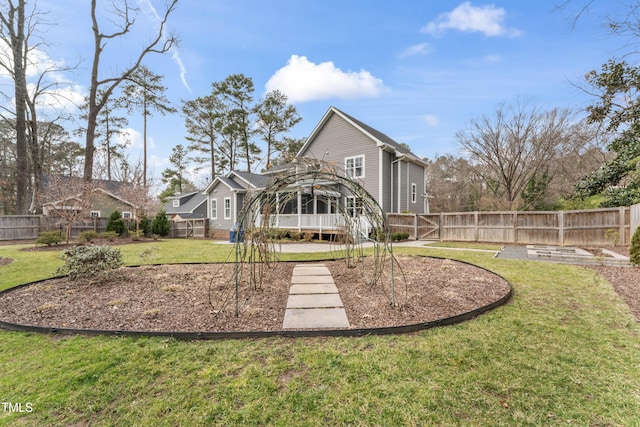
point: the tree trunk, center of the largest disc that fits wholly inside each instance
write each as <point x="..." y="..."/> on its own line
<point x="22" y="152"/>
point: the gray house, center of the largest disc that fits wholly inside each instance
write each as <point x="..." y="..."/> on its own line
<point x="225" y="196"/>
<point x="389" y="171"/>
<point x="187" y="205"/>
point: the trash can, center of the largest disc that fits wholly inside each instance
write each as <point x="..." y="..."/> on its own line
<point x="234" y="234"/>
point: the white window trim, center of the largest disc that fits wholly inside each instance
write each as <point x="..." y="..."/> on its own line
<point x="214" y="202"/>
<point x="126" y="215"/>
<point x="355" y="209"/>
<point x="176" y="203"/>
<point x="95" y="214"/>
<point x="346" y="169"/>
<point x="225" y="208"/>
<point x="414" y="192"/>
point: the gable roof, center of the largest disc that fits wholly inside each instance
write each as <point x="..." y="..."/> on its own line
<point x="253" y="179"/>
<point x="194" y="200"/>
<point x="382" y="140"/>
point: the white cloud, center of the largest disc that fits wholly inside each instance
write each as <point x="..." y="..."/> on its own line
<point x="431" y="120"/>
<point x="302" y="80"/>
<point x="418" y="49"/>
<point x="488" y="20"/>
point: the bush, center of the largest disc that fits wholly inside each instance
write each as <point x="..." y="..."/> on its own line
<point x="109" y="235"/>
<point x="400" y="235"/>
<point x="634" y="250"/>
<point x="87" y="236"/>
<point x="90" y="262"/>
<point x="116" y="223"/>
<point x="161" y="225"/>
<point x="145" y="226"/>
<point x="49" y="238"/>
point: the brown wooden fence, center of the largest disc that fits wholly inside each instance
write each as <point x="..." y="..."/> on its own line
<point x="187" y="228"/>
<point x="583" y="227"/>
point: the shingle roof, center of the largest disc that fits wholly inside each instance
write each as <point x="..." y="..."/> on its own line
<point x="187" y="206"/>
<point x="257" y="180"/>
<point x="377" y="134"/>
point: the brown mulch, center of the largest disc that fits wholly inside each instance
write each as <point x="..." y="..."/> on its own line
<point x="201" y="297"/>
<point x="5" y="261"/>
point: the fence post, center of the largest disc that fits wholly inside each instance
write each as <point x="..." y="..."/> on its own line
<point x="561" y="227"/>
<point x="440" y="224"/>
<point x="621" y="225"/>
<point x="475" y="223"/>
<point x="515" y="227"/>
<point x="415" y="226"/>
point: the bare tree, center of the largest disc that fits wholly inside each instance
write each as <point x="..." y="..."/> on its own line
<point x="68" y="198"/>
<point x="145" y="91"/>
<point x="12" y="32"/>
<point x="124" y="21"/>
<point x="515" y="145"/>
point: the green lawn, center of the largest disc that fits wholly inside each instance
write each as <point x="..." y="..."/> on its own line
<point x="564" y="351"/>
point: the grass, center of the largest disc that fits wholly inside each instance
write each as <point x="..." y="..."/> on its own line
<point x="564" y="351"/>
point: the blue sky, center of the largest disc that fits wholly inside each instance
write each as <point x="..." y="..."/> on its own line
<point x="416" y="70"/>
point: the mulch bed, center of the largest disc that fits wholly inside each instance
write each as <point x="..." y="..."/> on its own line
<point x="201" y="297"/>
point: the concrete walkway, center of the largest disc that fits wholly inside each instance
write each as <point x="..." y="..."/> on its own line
<point x="314" y="302"/>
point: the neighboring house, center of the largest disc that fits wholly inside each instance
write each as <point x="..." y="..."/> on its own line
<point x="226" y="196"/>
<point x="389" y="171"/>
<point x="107" y="197"/>
<point x="187" y="205"/>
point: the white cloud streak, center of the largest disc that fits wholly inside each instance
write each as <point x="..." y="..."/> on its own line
<point x="175" y="54"/>
<point x="488" y="20"/>
<point x="302" y="80"/>
<point x="417" y="49"/>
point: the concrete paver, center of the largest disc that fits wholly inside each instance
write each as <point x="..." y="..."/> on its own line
<point x="314" y="301"/>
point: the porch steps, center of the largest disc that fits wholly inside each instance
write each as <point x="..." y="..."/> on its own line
<point x="314" y="301"/>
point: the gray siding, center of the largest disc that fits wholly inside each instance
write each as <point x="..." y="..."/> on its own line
<point x="416" y="176"/>
<point x="222" y="192"/>
<point x="338" y="140"/>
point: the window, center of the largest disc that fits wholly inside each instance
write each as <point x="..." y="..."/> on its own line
<point x="95" y="214"/>
<point x="126" y="215"/>
<point x="176" y="203"/>
<point x="354" y="166"/>
<point x="227" y="208"/>
<point x="214" y="208"/>
<point x="414" y="191"/>
<point x="353" y="206"/>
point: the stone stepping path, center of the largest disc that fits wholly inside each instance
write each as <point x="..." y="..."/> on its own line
<point x="314" y="301"/>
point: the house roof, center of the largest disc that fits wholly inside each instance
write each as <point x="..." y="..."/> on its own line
<point x="253" y="179"/>
<point x="382" y="140"/>
<point x="194" y="200"/>
<point x="111" y="188"/>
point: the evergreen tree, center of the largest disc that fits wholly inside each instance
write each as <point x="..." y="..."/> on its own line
<point x="161" y="225"/>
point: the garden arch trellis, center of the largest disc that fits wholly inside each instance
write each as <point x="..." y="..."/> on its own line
<point x="357" y="219"/>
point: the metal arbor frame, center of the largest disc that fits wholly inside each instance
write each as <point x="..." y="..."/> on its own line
<point x="363" y="221"/>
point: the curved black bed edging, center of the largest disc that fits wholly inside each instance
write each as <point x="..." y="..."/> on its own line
<point x="268" y="334"/>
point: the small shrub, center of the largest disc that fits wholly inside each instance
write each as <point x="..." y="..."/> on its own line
<point x="161" y="225"/>
<point x="399" y="235"/>
<point x="145" y="226"/>
<point x="90" y="262"/>
<point x="110" y="236"/>
<point x="49" y="238"/>
<point x="136" y="235"/>
<point x="308" y="236"/>
<point x="116" y="223"/>
<point x="634" y="250"/>
<point x="295" y="235"/>
<point x="87" y="236"/>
